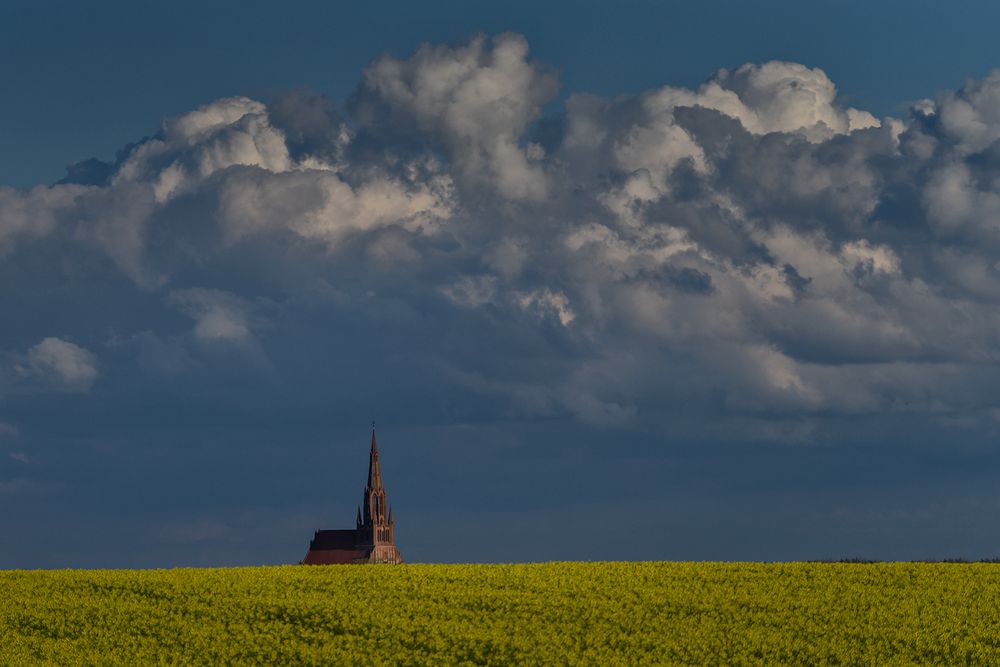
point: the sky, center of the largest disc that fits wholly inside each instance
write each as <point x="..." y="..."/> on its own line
<point x="702" y="281"/>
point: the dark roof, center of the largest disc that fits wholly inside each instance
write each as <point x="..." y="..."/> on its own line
<point x="334" y="539"/>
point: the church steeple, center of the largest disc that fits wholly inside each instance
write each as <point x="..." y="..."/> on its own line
<point x="376" y="527"/>
<point x="374" y="470"/>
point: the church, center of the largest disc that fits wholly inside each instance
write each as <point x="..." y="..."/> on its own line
<point x="372" y="540"/>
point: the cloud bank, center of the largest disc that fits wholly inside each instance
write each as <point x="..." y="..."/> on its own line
<point x="747" y="261"/>
<point x="751" y="241"/>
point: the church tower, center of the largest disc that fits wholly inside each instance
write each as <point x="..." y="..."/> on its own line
<point x="374" y="521"/>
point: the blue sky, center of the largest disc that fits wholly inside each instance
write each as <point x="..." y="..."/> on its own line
<point x="642" y="281"/>
<point x="82" y="80"/>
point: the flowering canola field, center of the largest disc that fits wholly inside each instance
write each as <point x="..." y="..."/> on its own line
<point x="551" y="613"/>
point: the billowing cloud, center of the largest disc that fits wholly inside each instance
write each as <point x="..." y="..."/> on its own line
<point x="194" y="146"/>
<point x="35" y="213"/>
<point x="476" y="99"/>
<point x="970" y="117"/>
<point x="752" y="246"/>
<point x="318" y="203"/>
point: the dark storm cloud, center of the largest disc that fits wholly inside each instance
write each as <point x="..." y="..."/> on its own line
<point x="746" y="264"/>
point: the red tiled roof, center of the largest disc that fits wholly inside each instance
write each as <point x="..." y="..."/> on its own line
<point x="334" y="547"/>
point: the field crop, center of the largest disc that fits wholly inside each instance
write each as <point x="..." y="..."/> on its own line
<point x="553" y="613"/>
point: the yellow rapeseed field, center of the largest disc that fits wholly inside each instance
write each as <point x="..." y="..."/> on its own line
<point x="552" y="613"/>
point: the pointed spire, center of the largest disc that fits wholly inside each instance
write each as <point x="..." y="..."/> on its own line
<point x="374" y="470"/>
<point x="390" y="514"/>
